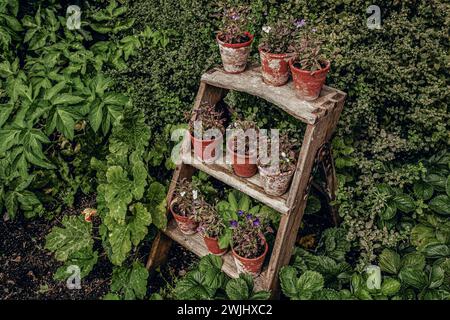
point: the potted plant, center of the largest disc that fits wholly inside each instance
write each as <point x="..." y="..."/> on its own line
<point x="183" y="207"/>
<point x="206" y="118"/>
<point x="249" y="246"/>
<point x="309" y="67"/>
<point x="277" y="172"/>
<point x="242" y="146"/>
<point x="211" y="226"/>
<point x="276" y="51"/>
<point x="234" y="40"/>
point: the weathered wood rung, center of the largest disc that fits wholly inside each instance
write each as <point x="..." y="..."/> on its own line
<point x="284" y="97"/>
<point x="195" y="244"/>
<point x="251" y="186"/>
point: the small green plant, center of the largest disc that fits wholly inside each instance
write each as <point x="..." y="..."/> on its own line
<point x="278" y="37"/>
<point x="234" y="24"/>
<point x="186" y="198"/>
<point x="211" y="223"/>
<point x="208" y="117"/>
<point x="308" y="50"/>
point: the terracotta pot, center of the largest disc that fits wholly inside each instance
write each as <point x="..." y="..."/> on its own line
<point x="185" y="224"/>
<point x="275" y="67"/>
<point x="275" y="183"/>
<point x="213" y="246"/>
<point x="243" y="165"/>
<point x="250" y="266"/>
<point x="308" y="84"/>
<point x="201" y="145"/>
<point x="235" y="55"/>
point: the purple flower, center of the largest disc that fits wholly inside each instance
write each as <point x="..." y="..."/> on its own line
<point x="249" y="217"/>
<point x="300" y="23"/>
<point x="233" y="224"/>
<point x="240" y="213"/>
<point x="256" y="223"/>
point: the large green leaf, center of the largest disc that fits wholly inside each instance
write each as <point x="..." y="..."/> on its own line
<point x="75" y="235"/>
<point x="423" y="190"/>
<point x="390" y="287"/>
<point x="404" y="202"/>
<point x="157" y="204"/>
<point x="85" y="259"/>
<point x="139" y="223"/>
<point x="130" y="283"/>
<point x="441" y="204"/>
<point x="414" y="278"/>
<point x="389" y="261"/>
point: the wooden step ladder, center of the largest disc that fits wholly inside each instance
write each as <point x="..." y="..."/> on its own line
<point x="321" y="117"/>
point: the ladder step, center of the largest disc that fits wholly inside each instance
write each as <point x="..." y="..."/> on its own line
<point x="253" y="186"/>
<point x="196" y="244"/>
<point x="284" y="97"/>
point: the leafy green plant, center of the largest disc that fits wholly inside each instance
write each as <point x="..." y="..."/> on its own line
<point x="207" y="282"/>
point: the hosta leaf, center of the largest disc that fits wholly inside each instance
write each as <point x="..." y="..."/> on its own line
<point x="74" y="236"/>
<point x="404" y="202"/>
<point x="423" y="190"/>
<point x="414" y="260"/>
<point x="437" y="181"/>
<point x="440" y="204"/>
<point x="436" y="250"/>
<point x="390" y="287"/>
<point x="414" y="278"/>
<point x="388" y="213"/>
<point x="389" y="261"/>
<point x="422" y="235"/>
<point x="437" y="277"/>
<point x="130" y="283"/>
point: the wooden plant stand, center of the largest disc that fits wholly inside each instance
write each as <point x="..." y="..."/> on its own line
<point x="321" y="117"/>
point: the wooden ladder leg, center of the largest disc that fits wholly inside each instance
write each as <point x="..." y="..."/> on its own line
<point x="314" y="138"/>
<point x="326" y="162"/>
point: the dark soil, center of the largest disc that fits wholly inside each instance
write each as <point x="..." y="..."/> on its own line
<point x="26" y="268"/>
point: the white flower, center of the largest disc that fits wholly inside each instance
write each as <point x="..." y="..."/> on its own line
<point x="283" y="154"/>
<point x="266" y="29"/>
<point x="194" y="194"/>
<point x="182" y="193"/>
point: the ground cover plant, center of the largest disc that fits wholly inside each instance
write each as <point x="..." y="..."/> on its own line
<point x="86" y="117"/>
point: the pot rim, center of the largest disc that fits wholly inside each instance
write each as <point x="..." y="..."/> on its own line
<point x="172" y="203"/>
<point x="325" y="69"/>
<point x="236" y="45"/>
<point x="281" y="174"/>
<point x="204" y="140"/>
<point x="255" y="154"/>
<point x="276" y="55"/>
<point x="252" y="259"/>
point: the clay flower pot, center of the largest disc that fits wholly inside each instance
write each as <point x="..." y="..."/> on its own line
<point x="243" y="165"/>
<point x="308" y="84"/>
<point x="250" y="266"/>
<point x="200" y="146"/>
<point x="186" y="225"/>
<point x="275" y="67"/>
<point x="213" y="246"/>
<point x="275" y="183"/>
<point x="235" y="55"/>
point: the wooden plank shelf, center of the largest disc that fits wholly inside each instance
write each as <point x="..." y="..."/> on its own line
<point x="284" y="97"/>
<point x="253" y="186"/>
<point x="196" y="244"/>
